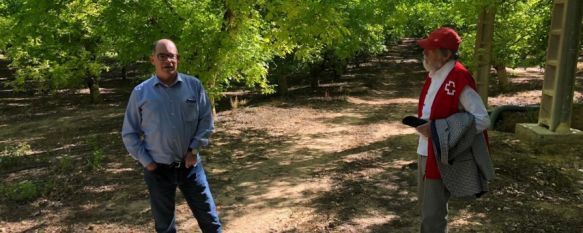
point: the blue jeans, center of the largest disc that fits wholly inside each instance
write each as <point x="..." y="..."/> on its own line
<point x="192" y="181"/>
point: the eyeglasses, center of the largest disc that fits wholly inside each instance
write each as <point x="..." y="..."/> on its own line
<point x="167" y="56"/>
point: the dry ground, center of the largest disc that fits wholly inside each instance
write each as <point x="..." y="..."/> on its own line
<point x="331" y="160"/>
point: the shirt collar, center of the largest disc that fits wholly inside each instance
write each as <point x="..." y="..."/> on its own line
<point x="158" y="82"/>
<point x="443" y="71"/>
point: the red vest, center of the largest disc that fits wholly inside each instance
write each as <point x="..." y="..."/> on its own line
<point x="446" y="103"/>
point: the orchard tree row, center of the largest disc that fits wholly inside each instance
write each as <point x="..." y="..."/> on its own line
<point x="63" y="44"/>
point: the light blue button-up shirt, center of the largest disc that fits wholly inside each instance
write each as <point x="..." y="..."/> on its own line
<point x="161" y="122"/>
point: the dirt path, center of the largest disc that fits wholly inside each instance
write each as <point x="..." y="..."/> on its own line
<point x="332" y="160"/>
<point x="312" y="164"/>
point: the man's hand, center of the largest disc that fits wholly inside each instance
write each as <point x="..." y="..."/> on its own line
<point x="424" y="130"/>
<point x="189" y="159"/>
<point x="151" y="167"/>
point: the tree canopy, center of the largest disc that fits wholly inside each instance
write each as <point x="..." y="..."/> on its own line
<point x="69" y="43"/>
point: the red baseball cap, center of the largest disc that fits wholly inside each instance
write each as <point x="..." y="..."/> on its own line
<point x="443" y="37"/>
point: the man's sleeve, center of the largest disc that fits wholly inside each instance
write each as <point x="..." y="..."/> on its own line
<point x="472" y="103"/>
<point x="205" y="125"/>
<point x="131" y="132"/>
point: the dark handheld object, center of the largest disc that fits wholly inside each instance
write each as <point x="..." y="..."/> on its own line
<point x="413" y="121"/>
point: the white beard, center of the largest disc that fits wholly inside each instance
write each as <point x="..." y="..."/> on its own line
<point x="428" y="66"/>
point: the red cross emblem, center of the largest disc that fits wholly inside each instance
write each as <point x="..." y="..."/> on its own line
<point x="450" y="88"/>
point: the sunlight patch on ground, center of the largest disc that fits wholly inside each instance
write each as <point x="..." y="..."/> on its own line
<point x="385" y="130"/>
<point x="248" y="184"/>
<point x="16" y="99"/>
<point x="101" y="189"/>
<point x="115" y="115"/>
<point x="323" y="144"/>
<point x="216" y="171"/>
<point x="107" y="227"/>
<point x="119" y="170"/>
<point x="381" y="101"/>
<point x="520" y="98"/>
<point x="388" y="186"/>
<point x="64" y="147"/>
<point x="285" y="122"/>
<point x="294" y="193"/>
<point x="374" y="219"/>
<point x="536" y="72"/>
<point x="524" y="80"/>
<point x="366" y="64"/>
<point x="18" y="104"/>
<point x="334" y="84"/>
<point x="368" y="172"/>
<point x="89" y="206"/>
<point x="335" y="138"/>
<point x="525" y="98"/>
<point x="20" y="226"/>
<point x="18" y="142"/>
<point x="408" y="61"/>
<point x="33" y="172"/>
<point x="466" y="218"/>
<point x="101" y="90"/>
<point x="272" y="219"/>
<point x="368" y="155"/>
<point x="296" y="157"/>
<point x="400" y="163"/>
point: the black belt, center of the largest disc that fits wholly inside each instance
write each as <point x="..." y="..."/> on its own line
<point x="179" y="164"/>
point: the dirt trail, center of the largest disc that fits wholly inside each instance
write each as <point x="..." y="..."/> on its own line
<point x="332" y="160"/>
<point x="323" y="163"/>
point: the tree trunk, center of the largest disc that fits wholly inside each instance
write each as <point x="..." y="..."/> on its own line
<point x="339" y="68"/>
<point x="483" y="49"/>
<point x="212" y="97"/>
<point x="124" y="72"/>
<point x="502" y="77"/>
<point x="315" y="76"/>
<point x="213" y="108"/>
<point x="282" y="85"/>
<point x="93" y="84"/>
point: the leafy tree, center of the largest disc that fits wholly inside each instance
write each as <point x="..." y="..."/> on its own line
<point x="68" y="43"/>
<point x="53" y="44"/>
<point x="520" y="34"/>
<point x="352" y="29"/>
<point x="523" y="41"/>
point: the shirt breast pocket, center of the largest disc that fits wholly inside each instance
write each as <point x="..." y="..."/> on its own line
<point x="190" y="109"/>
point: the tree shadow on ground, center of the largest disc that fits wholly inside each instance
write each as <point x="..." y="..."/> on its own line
<point x="377" y="183"/>
<point x="252" y="162"/>
<point x="373" y="185"/>
<point x="73" y="158"/>
<point x="367" y="188"/>
<point x="267" y="164"/>
<point x="536" y="183"/>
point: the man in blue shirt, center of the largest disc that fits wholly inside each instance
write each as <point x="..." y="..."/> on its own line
<point x="167" y="121"/>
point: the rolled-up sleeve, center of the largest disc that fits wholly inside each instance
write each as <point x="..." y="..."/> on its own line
<point x="205" y="126"/>
<point x="131" y="132"/>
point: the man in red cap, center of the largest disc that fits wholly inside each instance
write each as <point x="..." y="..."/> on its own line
<point x="449" y="88"/>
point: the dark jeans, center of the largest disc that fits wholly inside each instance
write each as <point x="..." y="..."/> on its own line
<point x="162" y="184"/>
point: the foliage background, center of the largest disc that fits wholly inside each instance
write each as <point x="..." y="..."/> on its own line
<point x="54" y="45"/>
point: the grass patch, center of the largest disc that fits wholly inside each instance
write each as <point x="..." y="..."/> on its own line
<point x="95" y="159"/>
<point x="22" y="191"/>
<point x="11" y="154"/>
